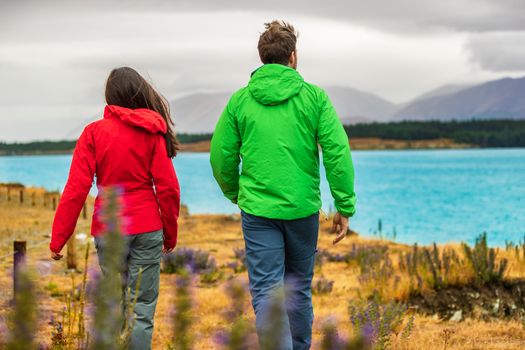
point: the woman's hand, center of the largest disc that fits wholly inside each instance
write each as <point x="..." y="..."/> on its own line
<point x="56" y="256"/>
<point x="166" y="250"/>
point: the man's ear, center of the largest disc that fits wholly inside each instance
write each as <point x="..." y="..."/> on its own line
<point x="292" y="61"/>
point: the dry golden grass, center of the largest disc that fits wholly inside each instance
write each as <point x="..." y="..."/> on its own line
<point x="367" y="143"/>
<point x="219" y="235"/>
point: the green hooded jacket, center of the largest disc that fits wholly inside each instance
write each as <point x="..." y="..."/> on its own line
<point x="274" y="125"/>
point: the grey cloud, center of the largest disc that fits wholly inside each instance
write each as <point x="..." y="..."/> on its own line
<point x="178" y="73"/>
<point x="499" y="52"/>
<point x="404" y="15"/>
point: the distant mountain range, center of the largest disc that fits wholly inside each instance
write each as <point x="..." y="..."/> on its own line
<point x="498" y="99"/>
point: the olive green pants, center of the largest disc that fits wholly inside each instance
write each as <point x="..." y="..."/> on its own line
<point x="143" y="252"/>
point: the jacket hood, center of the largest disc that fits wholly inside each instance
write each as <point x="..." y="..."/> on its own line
<point x="146" y="119"/>
<point x="273" y="84"/>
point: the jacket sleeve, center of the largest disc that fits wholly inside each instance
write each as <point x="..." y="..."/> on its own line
<point x="77" y="188"/>
<point x="336" y="157"/>
<point x="224" y="154"/>
<point x="167" y="190"/>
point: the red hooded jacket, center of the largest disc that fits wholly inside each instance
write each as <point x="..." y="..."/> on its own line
<point x="125" y="149"/>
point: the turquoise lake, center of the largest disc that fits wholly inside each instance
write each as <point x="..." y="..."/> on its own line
<point x="418" y="196"/>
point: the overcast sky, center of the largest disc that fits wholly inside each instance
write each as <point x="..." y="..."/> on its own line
<point x="55" y="55"/>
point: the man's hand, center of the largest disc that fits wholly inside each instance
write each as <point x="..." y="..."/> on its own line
<point x="56" y="256"/>
<point x="339" y="226"/>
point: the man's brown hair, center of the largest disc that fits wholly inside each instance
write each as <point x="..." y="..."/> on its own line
<point x="277" y="42"/>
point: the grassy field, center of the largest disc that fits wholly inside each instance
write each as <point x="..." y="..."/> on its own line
<point x="220" y="235"/>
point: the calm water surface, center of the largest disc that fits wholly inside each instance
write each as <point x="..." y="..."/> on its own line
<point x="418" y="196"/>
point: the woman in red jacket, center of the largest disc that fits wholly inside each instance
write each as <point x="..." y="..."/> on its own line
<point x="130" y="148"/>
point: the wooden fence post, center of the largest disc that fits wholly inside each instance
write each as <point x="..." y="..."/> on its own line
<point x="84" y="211"/>
<point x="8" y="194"/>
<point x="19" y="258"/>
<point x="33" y="199"/>
<point x="21" y="196"/>
<point x="71" y="253"/>
<point x="54" y="203"/>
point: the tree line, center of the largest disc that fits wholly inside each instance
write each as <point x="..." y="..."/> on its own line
<point x="66" y="146"/>
<point x="482" y="133"/>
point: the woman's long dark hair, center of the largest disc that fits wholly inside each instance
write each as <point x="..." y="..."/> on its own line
<point x="125" y="87"/>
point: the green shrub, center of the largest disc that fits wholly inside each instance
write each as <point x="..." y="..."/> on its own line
<point x="482" y="260"/>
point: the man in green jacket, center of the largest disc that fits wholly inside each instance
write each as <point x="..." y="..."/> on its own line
<point x="274" y="125"/>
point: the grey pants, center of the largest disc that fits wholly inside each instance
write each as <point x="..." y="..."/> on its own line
<point x="282" y="252"/>
<point x="143" y="252"/>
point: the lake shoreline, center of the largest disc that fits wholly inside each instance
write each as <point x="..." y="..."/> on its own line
<point x="357" y="144"/>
